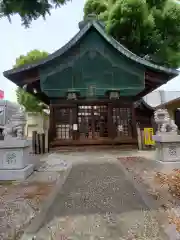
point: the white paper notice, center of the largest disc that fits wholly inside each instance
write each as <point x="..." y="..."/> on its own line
<point x="120" y="128"/>
<point x="75" y="127"/>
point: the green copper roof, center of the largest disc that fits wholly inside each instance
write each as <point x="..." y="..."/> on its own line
<point x="120" y="48"/>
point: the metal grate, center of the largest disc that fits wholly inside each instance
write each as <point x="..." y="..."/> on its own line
<point x="122" y="119"/>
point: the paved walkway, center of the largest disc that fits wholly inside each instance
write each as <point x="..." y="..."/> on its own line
<point x="97" y="201"/>
<point x="96" y="156"/>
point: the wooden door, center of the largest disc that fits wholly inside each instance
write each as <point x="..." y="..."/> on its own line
<point x="93" y="121"/>
<point x="85" y="122"/>
<point x="100" y="116"/>
<point x="122" y="121"/>
<point x="65" y="118"/>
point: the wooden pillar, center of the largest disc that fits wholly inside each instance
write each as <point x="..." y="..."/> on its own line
<point x="111" y="133"/>
<point x="52" y="124"/>
<point x="74" y="121"/>
<point x="34" y="144"/>
<point x="134" y="126"/>
<point x="139" y="137"/>
<point x="93" y="121"/>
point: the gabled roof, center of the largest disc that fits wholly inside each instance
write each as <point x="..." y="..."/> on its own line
<point x="143" y="103"/>
<point x="120" y="48"/>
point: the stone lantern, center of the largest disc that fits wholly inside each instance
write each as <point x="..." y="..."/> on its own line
<point x="167" y="139"/>
<point x="17" y="163"/>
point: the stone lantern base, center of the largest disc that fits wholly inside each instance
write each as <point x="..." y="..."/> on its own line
<point x="15" y="160"/>
<point x="167" y="147"/>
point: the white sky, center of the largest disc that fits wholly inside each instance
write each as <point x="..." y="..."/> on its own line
<point x="47" y="35"/>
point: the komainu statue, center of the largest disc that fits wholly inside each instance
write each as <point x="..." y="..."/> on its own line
<point x="15" y="126"/>
<point x="164" y="122"/>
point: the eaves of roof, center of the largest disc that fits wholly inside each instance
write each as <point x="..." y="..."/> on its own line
<point x="120" y="48"/>
<point x="143" y="102"/>
<point x="163" y="105"/>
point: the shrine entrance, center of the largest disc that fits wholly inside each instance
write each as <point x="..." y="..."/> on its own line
<point x="93" y="121"/>
<point x="122" y="120"/>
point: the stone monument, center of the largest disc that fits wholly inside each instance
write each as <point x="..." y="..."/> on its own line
<point x="167" y="139"/>
<point x="15" y="160"/>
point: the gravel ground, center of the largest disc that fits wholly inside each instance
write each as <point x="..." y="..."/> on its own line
<point x="98" y="202"/>
<point x="144" y="173"/>
<point x="21" y="201"/>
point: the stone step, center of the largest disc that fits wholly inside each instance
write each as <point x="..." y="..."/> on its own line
<point x="91" y="148"/>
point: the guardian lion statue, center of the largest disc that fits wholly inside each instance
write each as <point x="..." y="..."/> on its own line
<point x="164" y="122"/>
<point x="15" y="126"/>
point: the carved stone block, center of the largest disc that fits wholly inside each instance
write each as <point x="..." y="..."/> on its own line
<point x="167" y="147"/>
<point x="15" y="160"/>
<point x="14" y="154"/>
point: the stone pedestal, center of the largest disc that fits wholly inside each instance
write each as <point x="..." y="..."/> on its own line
<point x="15" y="160"/>
<point x="167" y="147"/>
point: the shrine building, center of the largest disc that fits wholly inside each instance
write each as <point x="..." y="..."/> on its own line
<point x="94" y="88"/>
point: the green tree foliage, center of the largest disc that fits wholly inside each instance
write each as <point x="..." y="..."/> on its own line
<point x="29" y="101"/>
<point x="148" y="28"/>
<point x="31" y="57"/>
<point x="28" y="10"/>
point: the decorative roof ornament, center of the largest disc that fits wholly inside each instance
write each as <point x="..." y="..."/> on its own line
<point x="88" y="18"/>
<point x="91" y="16"/>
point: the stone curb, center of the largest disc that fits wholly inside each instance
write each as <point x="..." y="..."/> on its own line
<point x="150" y="203"/>
<point x="40" y="218"/>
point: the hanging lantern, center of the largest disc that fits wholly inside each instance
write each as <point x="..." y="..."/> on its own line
<point x="114" y="94"/>
<point x="72" y="96"/>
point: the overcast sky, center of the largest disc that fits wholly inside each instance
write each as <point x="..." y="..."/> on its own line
<point x="47" y="35"/>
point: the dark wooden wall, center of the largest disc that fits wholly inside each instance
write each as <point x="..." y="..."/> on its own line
<point x="66" y="112"/>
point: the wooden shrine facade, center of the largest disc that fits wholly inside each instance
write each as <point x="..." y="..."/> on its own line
<point x="93" y="122"/>
<point x="91" y="86"/>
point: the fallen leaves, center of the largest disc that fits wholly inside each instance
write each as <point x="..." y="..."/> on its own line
<point x="172" y="180"/>
<point x="160" y="185"/>
<point x="41" y="189"/>
<point x="174" y="183"/>
<point x="176" y="221"/>
<point x="161" y="178"/>
<point x="131" y="159"/>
